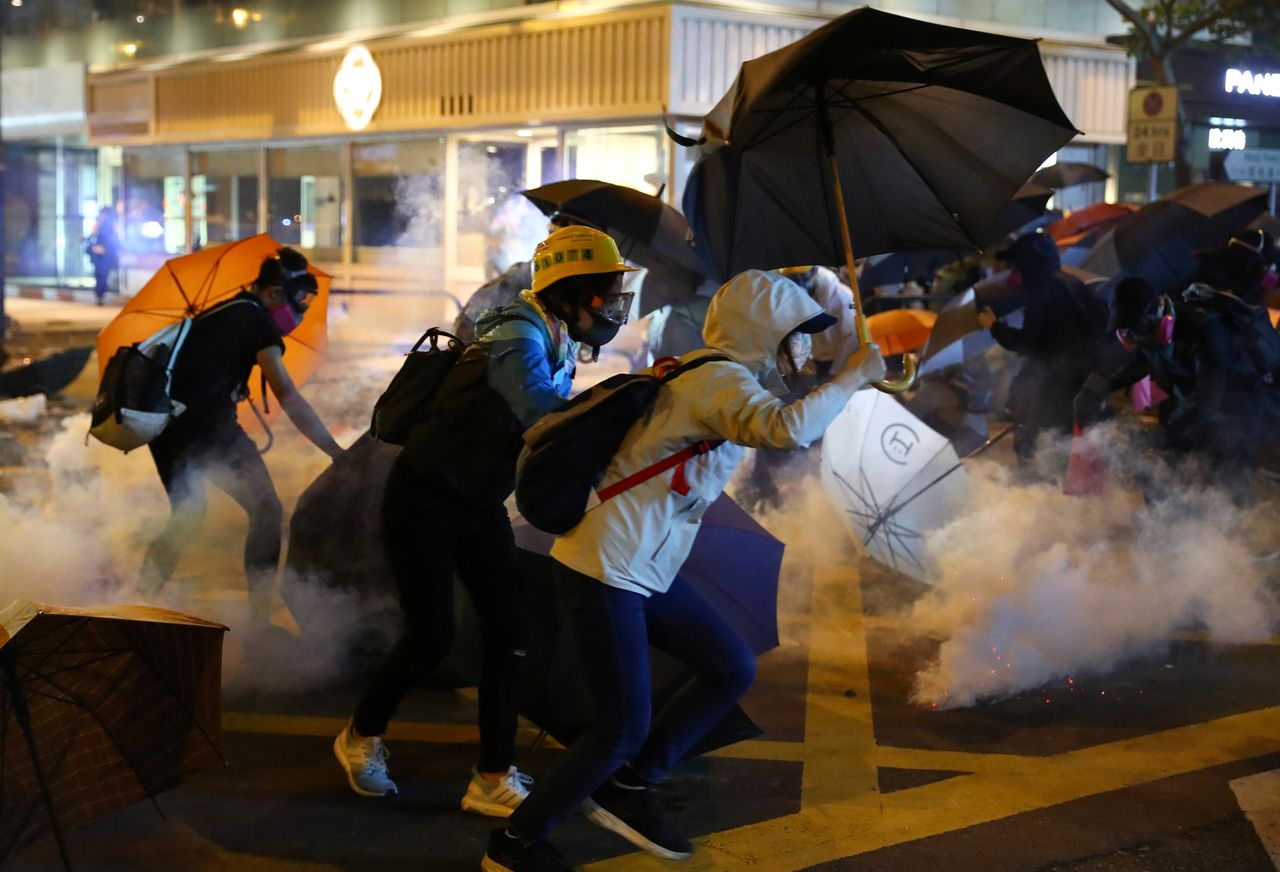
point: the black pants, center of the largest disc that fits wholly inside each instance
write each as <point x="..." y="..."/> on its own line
<point x="190" y="451"/>
<point x="429" y="537"/>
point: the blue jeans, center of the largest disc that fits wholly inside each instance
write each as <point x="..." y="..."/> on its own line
<point x="614" y="629"/>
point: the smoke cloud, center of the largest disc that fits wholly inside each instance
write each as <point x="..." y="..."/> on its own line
<point x="1034" y="586"/>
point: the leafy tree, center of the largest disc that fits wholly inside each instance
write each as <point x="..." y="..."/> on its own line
<point x="1158" y="29"/>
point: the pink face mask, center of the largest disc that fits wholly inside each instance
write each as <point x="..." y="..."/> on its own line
<point x="1270" y="280"/>
<point x="285" y="319"/>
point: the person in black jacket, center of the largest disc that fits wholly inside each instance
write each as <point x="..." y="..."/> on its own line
<point x="205" y="442"/>
<point x="1193" y="353"/>
<point x="1062" y="325"/>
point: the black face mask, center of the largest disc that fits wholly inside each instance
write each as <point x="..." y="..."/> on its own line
<point x="601" y="332"/>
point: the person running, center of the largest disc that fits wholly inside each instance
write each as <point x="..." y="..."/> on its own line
<point x="205" y="442"/>
<point x="103" y="248"/>
<point x="443" y="511"/>
<point x="616" y="574"/>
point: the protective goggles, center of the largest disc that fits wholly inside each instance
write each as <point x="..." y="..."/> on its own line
<point x="615" y="308"/>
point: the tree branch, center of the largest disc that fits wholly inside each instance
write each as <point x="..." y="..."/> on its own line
<point x="1149" y="38"/>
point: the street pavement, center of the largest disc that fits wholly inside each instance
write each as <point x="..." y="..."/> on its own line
<point x="1164" y="764"/>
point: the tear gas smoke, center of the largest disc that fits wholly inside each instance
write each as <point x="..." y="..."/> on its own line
<point x="1033" y="586"/>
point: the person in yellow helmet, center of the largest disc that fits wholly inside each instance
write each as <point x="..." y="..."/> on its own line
<point x="443" y="509"/>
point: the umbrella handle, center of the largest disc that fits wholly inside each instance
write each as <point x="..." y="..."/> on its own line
<point x="909" y="361"/>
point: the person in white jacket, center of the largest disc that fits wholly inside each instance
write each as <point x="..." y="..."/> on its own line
<point x="616" y="573"/>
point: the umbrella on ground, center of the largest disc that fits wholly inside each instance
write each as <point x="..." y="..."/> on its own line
<point x="916" y="134"/>
<point x="893" y="479"/>
<point x="188" y="285"/>
<point x="46" y="375"/>
<point x="901" y="330"/>
<point x="100" y="708"/>
<point x="1157" y="241"/>
<point x="1066" y="174"/>
<point x="335" y="543"/>
<point x="647" y="230"/>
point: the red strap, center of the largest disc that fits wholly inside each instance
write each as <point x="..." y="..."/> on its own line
<point x="678" y="482"/>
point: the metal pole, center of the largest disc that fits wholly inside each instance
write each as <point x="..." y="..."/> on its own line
<point x="1152" y="186"/>
<point x="1271" y="202"/>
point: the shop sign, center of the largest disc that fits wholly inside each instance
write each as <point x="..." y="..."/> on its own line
<point x="1254" y="165"/>
<point x="357" y="88"/>
<point x="1153" y="124"/>
<point x="1248" y="82"/>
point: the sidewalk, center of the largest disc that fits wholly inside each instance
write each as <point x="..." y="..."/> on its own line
<point x="56" y="294"/>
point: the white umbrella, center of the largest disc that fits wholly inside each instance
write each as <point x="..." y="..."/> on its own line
<point x="893" y="479"/>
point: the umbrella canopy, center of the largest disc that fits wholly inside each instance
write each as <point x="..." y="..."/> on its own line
<point x="904" y="266"/>
<point x="933" y="130"/>
<point x="188" y="285"/>
<point x="901" y="330"/>
<point x="1027" y="206"/>
<point x="1157" y="241"/>
<point x="1090" y="219"/>
<point x="892" y="478"/>
<point x="100" y="708"/>
<point x="647" y="230"/>
<point x="1064" y="175"/>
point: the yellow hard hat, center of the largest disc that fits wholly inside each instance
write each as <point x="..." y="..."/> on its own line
<point x="575" y="251"/>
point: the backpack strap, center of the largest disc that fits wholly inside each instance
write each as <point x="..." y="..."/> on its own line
<point x="679" y="483"/>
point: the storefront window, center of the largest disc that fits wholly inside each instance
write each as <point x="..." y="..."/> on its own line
<point x="50" y="203"/>
<point x="399" y="190"/>
<point x="304" y="200"/>
<point x="491" y="212"/>
<point x="631" y="156"/>
<point x="155" y="190"/>
<point x="224" y="195"/>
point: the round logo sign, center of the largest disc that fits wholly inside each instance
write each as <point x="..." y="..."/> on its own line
<point x="357" y="88"/>
<point x="1152" y="104"/>
<point x="897" y="442"/>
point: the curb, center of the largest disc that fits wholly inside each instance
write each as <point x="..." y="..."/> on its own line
<point x="60" y="295"/>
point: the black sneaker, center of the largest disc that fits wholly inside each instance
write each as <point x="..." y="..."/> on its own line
<point x="634" y="814"/>
<point x="509" y="854"/>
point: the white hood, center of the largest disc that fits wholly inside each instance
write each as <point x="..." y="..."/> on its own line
<point x="750" y="316"/>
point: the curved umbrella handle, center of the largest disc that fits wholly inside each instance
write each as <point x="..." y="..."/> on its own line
<point x="898" y="385"/>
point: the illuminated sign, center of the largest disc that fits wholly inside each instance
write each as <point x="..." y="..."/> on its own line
<point x="1226" y="138"/>
<point x="1247" y="82"/>
<point x="357" y="88"/>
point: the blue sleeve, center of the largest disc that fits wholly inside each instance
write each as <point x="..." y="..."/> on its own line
<point x="520" y="372"/>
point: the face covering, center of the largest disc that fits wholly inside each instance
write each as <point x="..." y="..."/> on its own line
<point x="795" y="361"/>
<point x="285" y="317"/>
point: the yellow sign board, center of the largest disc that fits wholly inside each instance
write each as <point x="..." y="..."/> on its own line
<point x="1153" y="124"/>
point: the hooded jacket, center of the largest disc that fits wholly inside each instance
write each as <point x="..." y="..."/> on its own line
<point x="638" y="540"/>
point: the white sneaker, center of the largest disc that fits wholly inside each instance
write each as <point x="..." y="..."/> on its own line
<point x="496" y="798"/>
<point x="365" y="761"/>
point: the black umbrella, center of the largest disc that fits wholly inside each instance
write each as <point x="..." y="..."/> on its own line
<point x="335" y="545"/>
<point x="1064" y="175"/>
<point x="1157" y="241"/>
<point x="916" y="134"/>
<point x="647" y="230"/>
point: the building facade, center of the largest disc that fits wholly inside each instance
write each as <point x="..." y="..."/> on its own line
<point x="393" y="156"/>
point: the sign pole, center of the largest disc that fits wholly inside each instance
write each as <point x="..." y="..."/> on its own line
<point x="1271" y="203"/>
<point x="1153" y="186"/>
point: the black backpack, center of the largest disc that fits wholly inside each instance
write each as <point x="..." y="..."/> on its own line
<point x="408" y="398"/>
<point x="1250" y="324"/>
<point x="566" y="453"/>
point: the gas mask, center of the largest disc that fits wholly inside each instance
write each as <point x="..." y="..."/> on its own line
<point x="795" y="362"/>
<point x="607" y="317"/>
<point x="288" y="315"/>
<point x="1154" y="329"/>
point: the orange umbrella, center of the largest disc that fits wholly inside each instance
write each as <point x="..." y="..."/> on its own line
<point x="1090" y="219"/>
<point x="1275" y="317"/>
<point x="901" y="330"/>
<point x="188" y="285"/>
